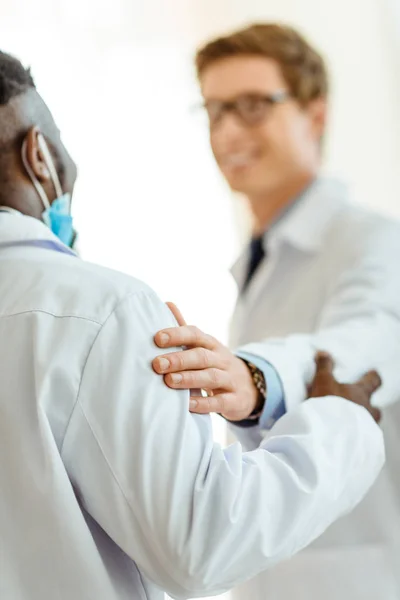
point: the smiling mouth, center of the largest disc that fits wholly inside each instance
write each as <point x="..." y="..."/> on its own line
<point x="239" y="160"/>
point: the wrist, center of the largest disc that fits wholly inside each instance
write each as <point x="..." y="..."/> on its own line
<point x="257" y="395"/>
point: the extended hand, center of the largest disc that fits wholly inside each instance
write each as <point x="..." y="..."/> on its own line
<point x="325" y="384"/>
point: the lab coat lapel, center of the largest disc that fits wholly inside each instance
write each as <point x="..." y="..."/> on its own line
<point x="302" y="228"/>
<point x="248" y="298"/>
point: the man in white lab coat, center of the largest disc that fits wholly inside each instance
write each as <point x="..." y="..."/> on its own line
<point x="320" y="272"/>
<point x="109" y="488"/>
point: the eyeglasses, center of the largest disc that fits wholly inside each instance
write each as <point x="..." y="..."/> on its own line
<point x="251" y="109"/>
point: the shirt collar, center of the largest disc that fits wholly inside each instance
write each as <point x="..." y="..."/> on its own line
<point x="304" y="223"/>
<point x="18" y="230"/>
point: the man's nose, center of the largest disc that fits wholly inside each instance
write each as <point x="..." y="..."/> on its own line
<point x="229" y="127"/>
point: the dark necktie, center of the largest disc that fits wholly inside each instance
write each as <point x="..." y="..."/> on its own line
<point x="257" y="254"/>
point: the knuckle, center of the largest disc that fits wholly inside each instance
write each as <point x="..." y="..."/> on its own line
<point x="213" y="341"/>
<point x="226" y="405"/>
<point x="196" y="333"/>
<point x="226" y="362"/>
<point x="178" y="361"/>
<point x="188" y="379"/>
<point x="214" y="375"/>
<point x="204" y="357"/>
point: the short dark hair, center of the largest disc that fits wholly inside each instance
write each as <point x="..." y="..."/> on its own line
<point x="302" y="66"/>
<point x="15" y="79"/>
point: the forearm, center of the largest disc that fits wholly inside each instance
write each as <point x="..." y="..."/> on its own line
<point x="370" y="341"/>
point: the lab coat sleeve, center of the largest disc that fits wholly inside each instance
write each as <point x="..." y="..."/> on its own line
<point x="248" y="432"/>
<point x="195" y="518"/>
<point x="359" y="326"/>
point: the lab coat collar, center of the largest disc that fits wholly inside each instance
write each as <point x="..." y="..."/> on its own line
<point x="304" y="224"/>
<point x="16" y="228"/>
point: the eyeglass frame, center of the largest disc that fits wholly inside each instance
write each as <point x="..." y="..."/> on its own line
<point x="270" y="100"/>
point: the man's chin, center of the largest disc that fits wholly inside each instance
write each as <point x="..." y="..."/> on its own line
<point x="243" y="186"/>
<point x="245" y="181"/>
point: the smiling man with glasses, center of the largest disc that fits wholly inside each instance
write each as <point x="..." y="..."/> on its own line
<point x="266" y="114"/>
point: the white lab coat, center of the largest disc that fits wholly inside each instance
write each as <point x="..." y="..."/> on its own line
<point x="331" y="281"/>
<point x="109" y="488"/>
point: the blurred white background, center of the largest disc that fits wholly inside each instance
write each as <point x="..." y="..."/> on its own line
<point x="118" y="75"/>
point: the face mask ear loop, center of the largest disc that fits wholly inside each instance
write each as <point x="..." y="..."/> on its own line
<point x="38" y="186"/>
<point x="50" y="165"/>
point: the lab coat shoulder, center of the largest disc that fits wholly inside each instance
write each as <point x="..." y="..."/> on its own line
<point x="64" y="286"/>
<point x="100" y="289"/>
<point x="362" y="248"/>
<point x="58" y="305"/>
<point x="361" y="236"/>
<point x="195" y="518"/>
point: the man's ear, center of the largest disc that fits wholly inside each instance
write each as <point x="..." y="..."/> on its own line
<point x="318" y="110"/>
<point x="34" y="155"/>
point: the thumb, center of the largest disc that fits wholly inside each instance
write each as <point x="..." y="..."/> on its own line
<point x="370" y="382"/>
<point x="376" y="414"/>
<point x="324" y="363"/>
<point x="177" y="313"/>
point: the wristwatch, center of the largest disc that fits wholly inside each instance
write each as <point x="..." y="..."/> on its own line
<point x="261" y="386"/>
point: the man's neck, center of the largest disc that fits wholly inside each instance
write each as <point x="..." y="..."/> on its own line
<point x="266" y="208"/>
<point x="24" y="199"/>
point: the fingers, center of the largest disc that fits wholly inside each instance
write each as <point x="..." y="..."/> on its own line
<point x="370" y="382"/>
<point x="209" y="379"/>
<point x="186" y="335"/>
<point x="324" y="363"/>
<point x="185" y="360"/>
<point x="223" y="404"/>
<point x="211" y="404"/>
<point x="177" y="313"/>
<point x="324" y="383"/>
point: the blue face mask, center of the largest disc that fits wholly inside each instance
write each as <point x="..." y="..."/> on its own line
<point x="58" y="218"/>
<point x="57" y="215"/>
